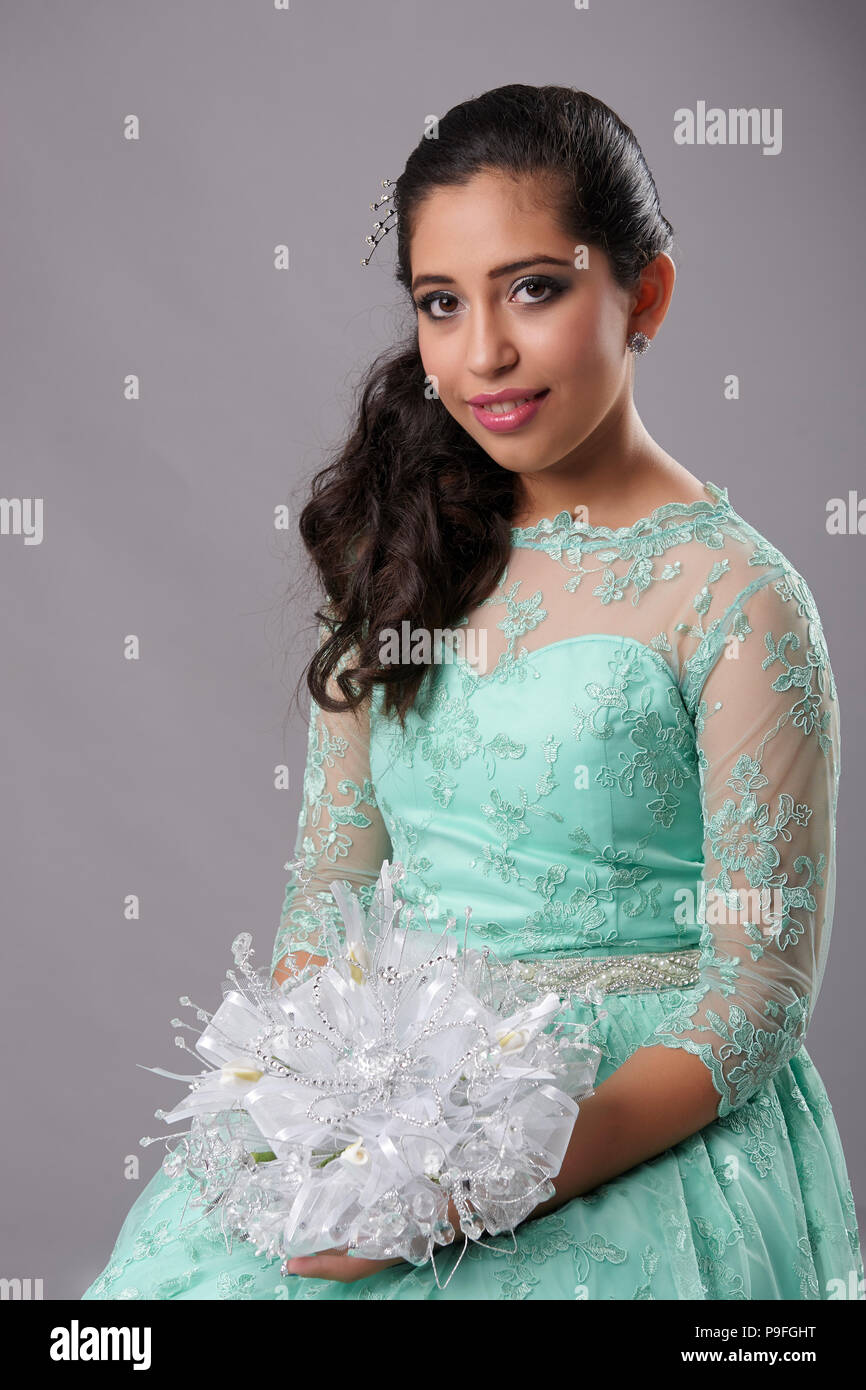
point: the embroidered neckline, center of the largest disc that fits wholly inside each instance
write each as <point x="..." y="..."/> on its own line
<point x="564" y="525"/>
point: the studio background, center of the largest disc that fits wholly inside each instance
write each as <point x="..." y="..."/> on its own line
<point x="155" y="257"/>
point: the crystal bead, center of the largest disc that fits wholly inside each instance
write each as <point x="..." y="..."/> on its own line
<point x="475" y="1154"/>
<point x="394" y="1223"/>
<point x="472" y="1225"/>
<point x="423" y="1205"/>
<point x="609" y="974"/>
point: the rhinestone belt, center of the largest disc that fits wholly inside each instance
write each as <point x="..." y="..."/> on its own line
<point x="610" y="974"/>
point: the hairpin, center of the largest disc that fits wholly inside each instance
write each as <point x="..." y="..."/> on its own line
<point x="380" y="227"/>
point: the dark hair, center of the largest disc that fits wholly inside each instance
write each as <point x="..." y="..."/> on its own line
<point x="411" y="520"/>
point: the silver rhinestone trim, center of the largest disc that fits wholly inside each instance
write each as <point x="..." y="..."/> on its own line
<point x="610" y="974"/>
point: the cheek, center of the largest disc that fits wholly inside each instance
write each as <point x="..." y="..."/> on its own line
<point x="586" y="345"/>
<point x="441" y="360"/>
<point x="431" y="355"/>
<point x="564" y="344"/>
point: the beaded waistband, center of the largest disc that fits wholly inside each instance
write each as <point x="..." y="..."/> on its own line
<point x="610" y="974"/>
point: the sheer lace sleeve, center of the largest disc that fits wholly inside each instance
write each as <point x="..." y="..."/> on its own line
<point x="341" y="833"/>
<point x="767" y="725"/>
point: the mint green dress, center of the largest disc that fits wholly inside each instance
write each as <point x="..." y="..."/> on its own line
<point x="630" y="746"/>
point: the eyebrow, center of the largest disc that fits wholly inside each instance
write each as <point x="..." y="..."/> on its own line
<point x="492" y="274"/>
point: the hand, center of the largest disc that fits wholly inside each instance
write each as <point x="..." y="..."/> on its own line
<point x="339" y="1265"/>
<point x="347" y="1269"/>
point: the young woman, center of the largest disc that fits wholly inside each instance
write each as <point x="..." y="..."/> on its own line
<point x="628" y="770"/>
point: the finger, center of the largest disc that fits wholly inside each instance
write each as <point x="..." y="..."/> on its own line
<point x="329" y="1264"/>
<point x="337" y="1265"/>
<point x="299" y="1259"/>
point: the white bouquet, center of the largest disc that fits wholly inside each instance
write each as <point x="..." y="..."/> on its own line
<point x="344" y="1107"/>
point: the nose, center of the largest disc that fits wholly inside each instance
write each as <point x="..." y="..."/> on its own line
<point x="490" y="348"/>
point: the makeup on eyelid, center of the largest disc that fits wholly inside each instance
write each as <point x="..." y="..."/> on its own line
<point x="555" y="287"/>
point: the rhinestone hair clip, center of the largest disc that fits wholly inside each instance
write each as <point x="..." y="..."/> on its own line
<point x="380" y="227"/>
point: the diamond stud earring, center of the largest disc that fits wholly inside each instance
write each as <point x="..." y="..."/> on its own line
<point x="638" y="342"/>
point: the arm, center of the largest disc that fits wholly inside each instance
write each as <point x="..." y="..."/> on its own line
<point x="341" y="833"/>
<point x="768" y="747"/>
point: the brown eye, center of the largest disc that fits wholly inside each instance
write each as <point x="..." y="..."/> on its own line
<point x="427" y="302"/>
<point x="539" y="288"/>
<point x="453" y="299"/>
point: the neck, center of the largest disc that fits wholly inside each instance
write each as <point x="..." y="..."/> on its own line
<point x="617" y="474"/>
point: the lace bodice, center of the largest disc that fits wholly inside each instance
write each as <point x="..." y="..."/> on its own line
<point x="635" y="748"/>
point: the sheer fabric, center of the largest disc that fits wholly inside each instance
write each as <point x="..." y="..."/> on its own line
<point x="647" y="741"/>
<point x="738" y="724"/>
<point x="340" y="832"/>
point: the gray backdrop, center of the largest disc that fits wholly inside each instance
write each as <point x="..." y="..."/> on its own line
<point x="155" y="257"/>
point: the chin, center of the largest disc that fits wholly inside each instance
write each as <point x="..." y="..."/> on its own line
<point x="520" y="463"/>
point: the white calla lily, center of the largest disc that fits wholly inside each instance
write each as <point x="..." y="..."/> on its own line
<point x="513" y="1039"/>
<point x="360" y="958"/>
<point x="241" y="1073"/>
<point x="355" y="1153"/>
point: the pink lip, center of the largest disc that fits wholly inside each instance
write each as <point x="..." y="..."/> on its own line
<point x="512" y="419"/>
<point x="508" y="393"/>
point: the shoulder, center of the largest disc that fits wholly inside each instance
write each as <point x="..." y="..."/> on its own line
<point x="756" y="597"/>
<point x="789" y="594"/>
<point x="757" y="573"/>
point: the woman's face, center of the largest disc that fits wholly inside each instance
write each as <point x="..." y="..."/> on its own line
<point x="502" y="308"/>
